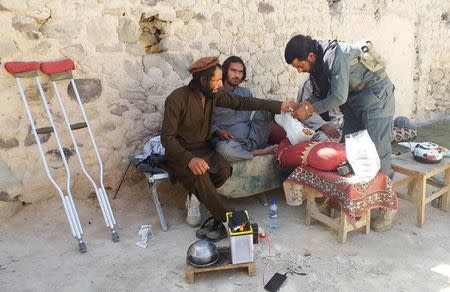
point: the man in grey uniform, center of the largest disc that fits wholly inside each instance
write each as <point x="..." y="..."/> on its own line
<point x="239" y="135"/>
<point x="342" y="77"/>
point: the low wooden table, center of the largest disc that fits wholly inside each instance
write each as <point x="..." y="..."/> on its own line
<point x="418" y="176"/>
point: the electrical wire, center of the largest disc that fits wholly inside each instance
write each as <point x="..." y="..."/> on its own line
<point x="271" y="260"/>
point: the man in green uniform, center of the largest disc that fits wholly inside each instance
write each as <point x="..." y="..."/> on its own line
<point x="341" y="75"/>
<point x="185" y="134"/>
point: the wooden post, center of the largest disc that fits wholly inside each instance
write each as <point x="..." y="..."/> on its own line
<point x="342" y="232"/>
<point x="251" y="269"/>
<point x="309" y="202"/>
<point x="446" y="197"/>
<point x="189" y="277"/>
<point x="367" y="219"/>
<point x="421" y="192"/>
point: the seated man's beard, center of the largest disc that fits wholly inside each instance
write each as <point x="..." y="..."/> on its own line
<point x="207" y="91"/>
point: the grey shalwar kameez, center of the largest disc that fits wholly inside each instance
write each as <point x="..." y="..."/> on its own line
<point x="365" y="98"/>
<point x="250" y="132"/>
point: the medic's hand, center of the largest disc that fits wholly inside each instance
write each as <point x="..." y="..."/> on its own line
<point x="198" y="166"/>
<point x="330" y="130"/>
<point x="288" y="106"/>
<point x="224" y="134"/>
<point x="303" y="111"/>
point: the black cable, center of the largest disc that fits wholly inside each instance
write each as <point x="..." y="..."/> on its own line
<point x="292" y="272"/>
<point x="121" y="181"/>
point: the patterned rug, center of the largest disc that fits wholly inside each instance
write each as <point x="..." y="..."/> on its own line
<point x="354" y="199"/>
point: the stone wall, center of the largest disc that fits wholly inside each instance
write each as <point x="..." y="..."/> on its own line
<point x="131" y="54"/>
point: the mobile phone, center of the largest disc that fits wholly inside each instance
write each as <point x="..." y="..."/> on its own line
<point x="344" y="169"/>
<point x="275" y="282"/>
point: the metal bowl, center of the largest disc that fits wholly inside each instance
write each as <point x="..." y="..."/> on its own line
<point x="202" y="253"/>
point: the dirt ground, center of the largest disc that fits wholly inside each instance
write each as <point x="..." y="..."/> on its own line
<point x="37" y="252"/>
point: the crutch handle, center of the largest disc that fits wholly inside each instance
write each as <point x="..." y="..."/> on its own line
<point x="50" y="68"/>
<point x="21" y="67"/>
<point x="78" y="126"/>
<point x="47" y="130"/>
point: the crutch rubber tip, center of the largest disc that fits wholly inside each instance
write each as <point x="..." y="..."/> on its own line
<point x="82" y="247"/>
<point x="115" y="237"/>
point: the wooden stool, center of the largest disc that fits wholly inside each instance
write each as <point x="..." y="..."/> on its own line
<point x="418" y="175"/>
<point x="339" y="223"/>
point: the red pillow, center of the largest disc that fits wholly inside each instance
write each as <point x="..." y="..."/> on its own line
<point x="276" y="133"/>
<point x="289" y="155"/>
<point x="326" y="155"/>
<point x="322" y="155"/>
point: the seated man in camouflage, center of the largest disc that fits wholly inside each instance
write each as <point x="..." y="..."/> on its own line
<point x="239" y="135"/>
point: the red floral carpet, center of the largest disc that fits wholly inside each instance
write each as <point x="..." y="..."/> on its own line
<point x="353" y="198"/>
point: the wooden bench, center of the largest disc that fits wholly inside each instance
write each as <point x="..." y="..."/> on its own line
<point x="417" y="176"/>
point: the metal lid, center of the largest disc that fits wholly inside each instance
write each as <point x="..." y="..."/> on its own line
<point x="202" y="253"/>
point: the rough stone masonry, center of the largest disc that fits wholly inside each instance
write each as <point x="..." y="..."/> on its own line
<point x="130" y="54"/>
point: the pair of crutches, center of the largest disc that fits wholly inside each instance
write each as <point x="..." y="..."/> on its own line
<point x="58" y="71"/>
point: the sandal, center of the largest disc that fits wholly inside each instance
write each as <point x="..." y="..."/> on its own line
<point x="205" y="228"/>
<point x="217" y="234"/>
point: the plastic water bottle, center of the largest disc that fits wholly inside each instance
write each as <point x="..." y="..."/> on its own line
<point x="273" y="214"/>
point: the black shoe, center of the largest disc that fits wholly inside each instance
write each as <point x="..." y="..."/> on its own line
<point x="205" y="228"/>
<point x="217" y="233"/>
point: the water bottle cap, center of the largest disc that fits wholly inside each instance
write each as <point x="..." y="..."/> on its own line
<point x="274" y="201"/>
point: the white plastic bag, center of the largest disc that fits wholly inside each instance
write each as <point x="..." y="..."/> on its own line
<point x="145" y="235"/>
<point x="295" y="130"/>
<point x="362" y="156"/>
<point x="153" y="146"/>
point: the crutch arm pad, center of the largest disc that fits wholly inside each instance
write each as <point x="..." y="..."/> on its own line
<point x="51" y="68"/>
<point x="21" y="67"/>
